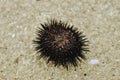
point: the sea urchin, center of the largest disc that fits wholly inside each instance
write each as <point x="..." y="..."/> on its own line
<point x="60" y="43"/>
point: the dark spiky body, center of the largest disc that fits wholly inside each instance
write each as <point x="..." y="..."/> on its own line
<point x="60" y="43"/>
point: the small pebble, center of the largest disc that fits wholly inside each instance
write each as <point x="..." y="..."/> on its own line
<point x="94" y="61"/>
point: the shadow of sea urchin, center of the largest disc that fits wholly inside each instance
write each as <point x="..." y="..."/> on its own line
<point x="60" y="43"/>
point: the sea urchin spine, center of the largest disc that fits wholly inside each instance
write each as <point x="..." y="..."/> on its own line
<point x="60" y="43"/>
